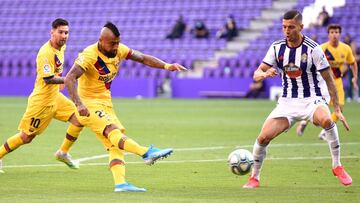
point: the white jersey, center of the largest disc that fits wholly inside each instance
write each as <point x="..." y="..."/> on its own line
<point x="299" y="68"/>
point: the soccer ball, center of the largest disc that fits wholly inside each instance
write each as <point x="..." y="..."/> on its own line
<point x="240" y="161"/>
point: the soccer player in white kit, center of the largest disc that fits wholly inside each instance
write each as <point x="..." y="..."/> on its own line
<point x="306" y="79"/>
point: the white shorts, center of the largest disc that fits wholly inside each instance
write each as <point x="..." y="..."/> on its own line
<point x="297" y="109"/>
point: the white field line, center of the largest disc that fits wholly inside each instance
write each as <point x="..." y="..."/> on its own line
<point x="201" y="160"/>
<point x="180" y="161"/>
<point x="226" y="147"/>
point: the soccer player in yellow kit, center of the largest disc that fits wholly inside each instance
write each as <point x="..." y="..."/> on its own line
<point x="45" y="101"/>
<point x="339" y="56"/>
<point x="95" y="68"/>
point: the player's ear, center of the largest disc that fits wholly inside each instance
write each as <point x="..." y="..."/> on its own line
<point x="301" y="26"/>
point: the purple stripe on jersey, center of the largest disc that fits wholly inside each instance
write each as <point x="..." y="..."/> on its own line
<point x="294" y="88"/>
<point x="280" y="63"/>
<point x="101" y="67"/>
<point x="303" y="66"/>
<point x="316" y="82"/>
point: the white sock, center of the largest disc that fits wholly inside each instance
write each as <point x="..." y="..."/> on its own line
<point x="259" y="154"/>
<point x="332" y="137"/>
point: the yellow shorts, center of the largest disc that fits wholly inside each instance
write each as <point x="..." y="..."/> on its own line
<point x="100" y="117"/>
<point x="340" y="90"/>
<point x="36" y="118"/>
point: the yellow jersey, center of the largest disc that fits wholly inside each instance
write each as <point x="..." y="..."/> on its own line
<point x="49" y="63"/>
<point x="337" y="57"/>
<point x="94" y="85"/>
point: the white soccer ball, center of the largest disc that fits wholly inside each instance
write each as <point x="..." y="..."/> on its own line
<point x="240" y="161"/>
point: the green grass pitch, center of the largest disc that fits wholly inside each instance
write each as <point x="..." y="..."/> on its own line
<point x="203" y="133"/>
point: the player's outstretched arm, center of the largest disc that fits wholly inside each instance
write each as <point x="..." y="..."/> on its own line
<point x="71" y="82"/>
<point x="264" y="71"/>
<point x="155" y="62"/>
<point x="326" y="74"/>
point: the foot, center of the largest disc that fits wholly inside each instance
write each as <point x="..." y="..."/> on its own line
<point x="252" y="183"/>
<point x="342" y="175"/>
<point x="322" y="135"/>
<point x="127" y="187"/>
<point x="154" y="154"/>
<point x="66" y="158"/>
<point x="1" y="171"/>
<point x="301" y="128"/>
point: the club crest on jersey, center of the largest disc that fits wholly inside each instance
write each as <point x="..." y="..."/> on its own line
<point x="304" y="58"/>
<point x="292" y="70"/>
<point x="101" y="67"/>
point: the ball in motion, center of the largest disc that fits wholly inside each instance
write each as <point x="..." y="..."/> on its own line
<point x="240" y="161"/>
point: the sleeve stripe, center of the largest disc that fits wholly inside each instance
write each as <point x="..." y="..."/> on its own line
<point x="131" y="52"/>
<point x="49" y="77"/>
<point x="267" y="64"/>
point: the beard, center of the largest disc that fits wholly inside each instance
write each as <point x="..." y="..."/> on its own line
<point x="110" y="54"/>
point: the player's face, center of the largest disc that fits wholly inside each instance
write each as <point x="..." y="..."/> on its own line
<point x="292" y="30"/>
<point x="60" y="35"/>
<point x="334" y="35"/>
<point x="110" y="46"/>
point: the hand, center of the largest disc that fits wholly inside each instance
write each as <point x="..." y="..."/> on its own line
<point x="83" y="111"/>
<point x="176" y="67"/>
<point x="342" y="118"/>
<point x="62" y="86"/>
<point x="354" y="83"/>
<point x="271" y="72"/>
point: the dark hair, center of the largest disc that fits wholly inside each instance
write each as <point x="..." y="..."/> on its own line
<point x="293" y="14"/>
<point x="334" y="27"/>
<point x="59" y="22"/>
<point x="113" y="28"/>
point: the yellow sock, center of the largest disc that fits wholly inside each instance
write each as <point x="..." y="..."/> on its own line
<point x="117" y="165"/>
<point x="72" y="133"/>
<point x="125" y="143"/>
<point x="11" y="144"/>
<point x="334" y="117"/>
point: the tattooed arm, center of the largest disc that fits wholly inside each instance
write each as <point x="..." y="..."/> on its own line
<point x="155" y="62"/>
<point x="54" y="80"/>
<point x="71" y="84"/>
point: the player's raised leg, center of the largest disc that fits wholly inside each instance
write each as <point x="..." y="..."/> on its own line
<point x="322" y="118"/>
<point x="271" y="128"/>
<point x="149" y="154"/>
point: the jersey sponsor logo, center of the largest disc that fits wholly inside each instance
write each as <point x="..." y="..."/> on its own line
<point x="304" y="58"/>
<point x="292" y="70"/>
<point x="47" y="68"/>
<point x="101" y="67"/>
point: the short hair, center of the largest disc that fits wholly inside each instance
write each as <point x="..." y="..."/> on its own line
<point x="59" y="22"/>
<point x="113" y="28"/>
<point x="293" y="14"/>
<point x="334" y="27"/>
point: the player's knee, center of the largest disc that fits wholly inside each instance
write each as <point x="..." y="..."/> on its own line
<point x="108" y="129"/>
<point x="73" y="120"/>
<point x="326" y="123"/>
<point x="26" y="138"/>
<point x="263" y="140"/>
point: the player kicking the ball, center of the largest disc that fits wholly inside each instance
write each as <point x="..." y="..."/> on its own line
<point x="95" y="68"/>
